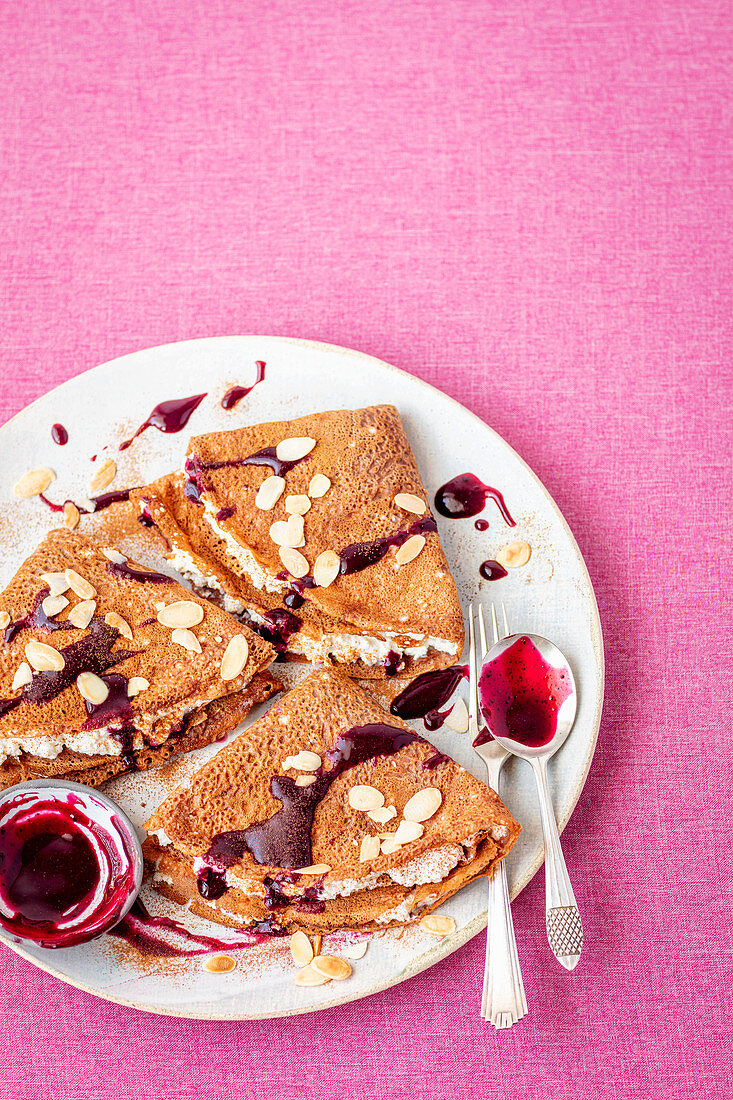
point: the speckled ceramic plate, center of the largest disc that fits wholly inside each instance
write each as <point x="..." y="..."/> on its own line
<point x="551" y="595"/>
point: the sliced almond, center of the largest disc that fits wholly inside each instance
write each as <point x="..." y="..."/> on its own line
<point x="309" y="976"/>
<point x="317" y="941"/>
<point x="85" y="504"/>
<point x="104" y="476"/>
<point x="362" y="797"/>
<point x="407" y="831"/>
<point x="44" y="658"/>
<point x="315" y="869"/>
<point x="326" y="568"/>
<point x="292" y="450"/>
<point x="369" y="849"/>
<point x="294" y="562"/>
<point x="410" y="503"/>
<point x="187" y="639"/>
<point x="288" y="533"/>
<point x="34" y="482"/>
<point x="305" y="761"/>
<point x="92" y="688"/>
<point x="457" y="720"/>
<point x="135" y="685"/>
<point x="182" y="613"/>
<point x="301" y="949"/>
<point x="514" y="554"/>
<point x="423" y="804"/>
<point x="82" y="614"/>
<point x="355" y="950"/>
<point x="269" y="493"/>
<point x="114" y="555"/>
<point x="336" y="969"/>
<point x="113" y="619"/>
<point x="79" y="586"/>
<point x="319" y="485"/>
<point x="23" y="676"/>
<point x="382" y="814"/>
<point x="71" y="515"/>
<point x="410" y="549"/>
<point x="52" y="605"/>
<point x="57" y="583"/>
<point x="297" y="504"/>
<point x="4" y="620"/>
<point x="304" y="780"/>
<point x="219" y="964"/>
<point x="436" y="925"/>
<point x="235" y="657"/>
<point x="390" y="846"/>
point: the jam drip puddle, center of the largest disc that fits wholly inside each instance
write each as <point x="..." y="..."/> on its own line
<point x="36" y="619"/>
<point x="491" y="570"/>
<point x="168" y="416"/>
<point x="100" y="502"/>
<point x="278" y="627"/>
<point x="360" y="555"/>
<point x="196" y="468"/>
<point x="465" y="496"/>
<point x="155" y="936"/>
<point x="284" y="840"/>
<point x="520" y="695"/>
<point x="59" y="435"/>
<point x="144" y="576"/>
<point x="233" y="396"/>
<point x="427" y="693"/>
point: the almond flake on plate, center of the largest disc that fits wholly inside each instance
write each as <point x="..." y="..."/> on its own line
<point x="457" y="720"/>
<point x="33" y="483"/>
<point x="355" y="950"/>
<point x="301" y="948"/>
<point x="514" y="554"/>
<point x="219" y="964"/>
<point x="288" y="532"/>
<point x="104" y="476"/>
<point x="437" y="925"/>
<point x="309" y="976"/>
<point x="71" y="515"/>
<point x="331" y="967"/>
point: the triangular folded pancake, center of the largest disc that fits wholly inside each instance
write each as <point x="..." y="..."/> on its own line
<point x="381" y="614"/>
<point x="230" y="841"/>
<point x="92" y="684"/>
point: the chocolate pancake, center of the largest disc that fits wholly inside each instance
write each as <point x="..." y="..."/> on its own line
<point x="107" y="666"/>
<point x="237" y="842"/>
<point x="389" y="603"/>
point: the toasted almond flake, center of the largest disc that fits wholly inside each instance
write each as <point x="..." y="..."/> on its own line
<point x="182" y="613"/>
<point x="382" y="814"/>
<point x="514" y="554"/>
<point x="423" y="804"/>
<point x="135" y="685"/>
<point x="390" y="846"/>
<point x="407" y="831"/>
<point x="319" y="485"/>
<point x="33" y="483"/>
<point x="235" y="657"/>
<point x="52" y="605"/>
<point x="219" y="964"/>
<point x="23" y="676"/>
<point x="369" y="849"/>
<point x="57" y="583"/>
<point x="269" y="493"/>
<point x="363" y="797"/>
<point x="457" y="720"/>
<point x="309" y="976"/>
<point x="326" y="568"/>
<point x="305" y="761"/>
<point x="294" y="562"/>
<point x="44" y="658"/>
<point x="315" y="869"/>
<point x="114" y="555"/>
<point x="79" y="586"/>
<point x="115" y="620"/>
<point x="297" y="504"/>
<point x="4" y="620"/>
<point x="92" y="688"/>
<point x="104" y="476"/>
<point x="71" y="515"/>
<point x="81" y="615"/>
<point x="292" y="450"/>
<point x="186" y="638"/>
<point x="355" y="950"/>
<point x="410" y="549"/>
<point x="288" y="533"/>
<point x="436" y="925"/>
<point x="86" y="504"/>
<point x="301" y="948"/>
<point x="317" y="941"/>
<point x="304" y="780"/>
<point x="337" y="969"/>
<point x="410" y="503"/>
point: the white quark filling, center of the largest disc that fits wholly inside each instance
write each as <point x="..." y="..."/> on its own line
<point x="245" y="558"/>
<point x="90" y="742"/>
<point x="401" y="912"/>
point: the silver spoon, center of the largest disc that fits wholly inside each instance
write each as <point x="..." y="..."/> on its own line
<point x="564" y="927"/>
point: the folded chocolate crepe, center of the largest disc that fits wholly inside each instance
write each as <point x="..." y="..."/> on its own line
<point x="108" y="667"/>
<point x="318" y="532"/>
<point x="326" y="813"/>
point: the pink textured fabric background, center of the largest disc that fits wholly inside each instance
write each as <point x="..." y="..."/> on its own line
<point x="527" y="204"/>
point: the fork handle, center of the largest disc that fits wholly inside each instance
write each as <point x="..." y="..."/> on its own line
<point x="503" y="1001"/>
<point x="564" y="927"/>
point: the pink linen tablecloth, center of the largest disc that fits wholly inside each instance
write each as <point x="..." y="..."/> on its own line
<point x="526" y="203"/>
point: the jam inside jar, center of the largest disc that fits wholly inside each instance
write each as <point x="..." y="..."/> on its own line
<point x="70" y="864"/>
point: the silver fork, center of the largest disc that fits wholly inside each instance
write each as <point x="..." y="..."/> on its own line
<point x="503" y="1001"/>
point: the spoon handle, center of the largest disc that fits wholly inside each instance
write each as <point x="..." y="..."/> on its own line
<point x="564" y="928"/>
